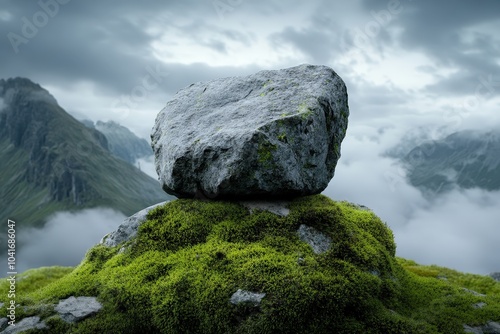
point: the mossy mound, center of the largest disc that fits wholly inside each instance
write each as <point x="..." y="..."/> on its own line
<point x="179" y="273"/>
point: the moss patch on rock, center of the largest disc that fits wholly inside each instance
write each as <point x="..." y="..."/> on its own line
<point x="190" y="257"/>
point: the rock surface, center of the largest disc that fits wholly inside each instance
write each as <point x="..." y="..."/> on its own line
<point x="272" y="134"/>
<point x="75" y="309"/>
<point x="318" y="241"/>
<point x="24" y="325"/>
<point x="490" y="328"/>
<point x="495" y="276"/>
<point x="128" y="229"/>
<point x="277" y="207"/>
<point x="3" y="322"/>
<point x="243" y="296"/>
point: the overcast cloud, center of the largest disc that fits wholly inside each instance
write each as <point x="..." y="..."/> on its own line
<point x="427" y="65"/>
<point x="65" y="238"/>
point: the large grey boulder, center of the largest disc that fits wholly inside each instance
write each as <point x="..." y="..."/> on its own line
<point x="272" y="134"/>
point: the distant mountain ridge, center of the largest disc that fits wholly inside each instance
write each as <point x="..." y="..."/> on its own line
<point x="122" y="142"/>
<point x="467" y="159"/>
<point x="52" y="162"/>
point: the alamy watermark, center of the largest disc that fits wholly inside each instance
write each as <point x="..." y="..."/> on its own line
<point x="31" y="26"/>
<point x="11" y="271"/>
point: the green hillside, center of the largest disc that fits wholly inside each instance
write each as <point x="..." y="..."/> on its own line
<point x="190" y="257"/>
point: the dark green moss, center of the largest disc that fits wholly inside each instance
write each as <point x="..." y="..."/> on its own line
<point x="265" y="152"/>
<point x="178" y="275"/>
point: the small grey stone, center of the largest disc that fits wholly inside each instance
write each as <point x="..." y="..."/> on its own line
<point x="362" y="207"/>
<point x="473" y="292"/>
<point x="75" y="309"/>
<point x="473" y="330"/>
<point x="128" y="229"/>
<point x="277" y="207"/>
<point x="495" y="276"/>
<point x="479" y="305"/>
<point x="1" y="305"/>
<point x="24" y="325"/>
<point x="492" y="328"/>
<point x="319" y="242"/>
<point x="243" y="296"/>
<point x="273" y="134"/>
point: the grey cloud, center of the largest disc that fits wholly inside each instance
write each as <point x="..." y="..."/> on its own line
<point x="318" y="45"/>
<point x="458" y="230"/>
<point x="106" y="44"/>
<point x="368" y="102"/>
<point x="65" y="238"/>
<point x="437" y="28"/>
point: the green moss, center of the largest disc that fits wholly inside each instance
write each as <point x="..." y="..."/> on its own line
<point x="266" y="88"/>
<point x="190" y="256"/>
<point x="265" y="152"/>
<point x="344" y="114"/>
<point x="282" y="137"/>
<point x="304" y="110"/>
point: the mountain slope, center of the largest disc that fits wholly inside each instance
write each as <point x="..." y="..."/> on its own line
<point x="467" y="159"/>
<point x="52" y="162"/>
<point x="121" y="141"/>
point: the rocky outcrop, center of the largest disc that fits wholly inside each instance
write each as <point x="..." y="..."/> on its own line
<point x="128" y="229"/>
<point x="272" y="134"/>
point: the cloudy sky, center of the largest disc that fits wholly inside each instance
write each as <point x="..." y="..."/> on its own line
<point x="412" y="67"/>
